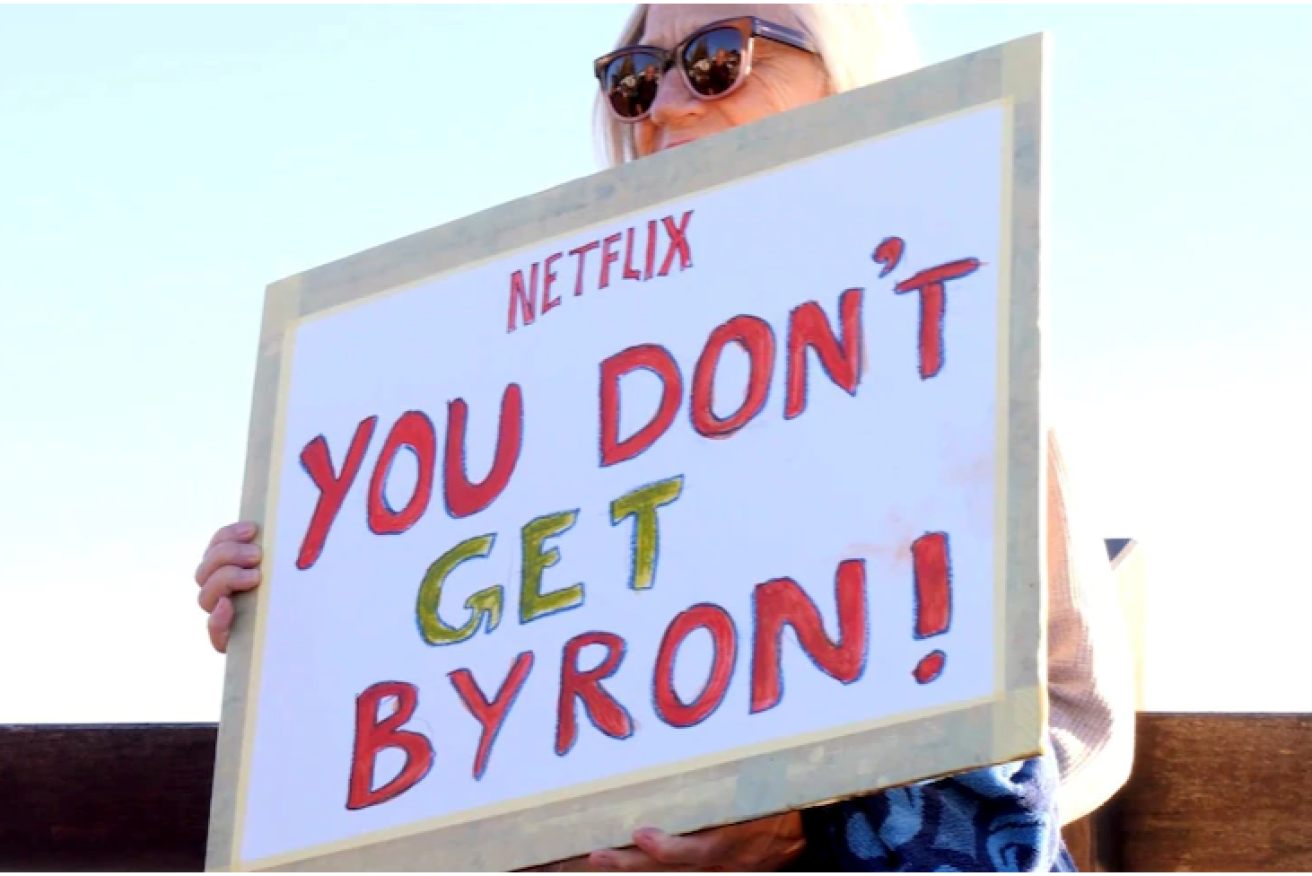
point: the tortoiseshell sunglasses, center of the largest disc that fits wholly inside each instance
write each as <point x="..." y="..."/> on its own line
<point x="714" y="60"/>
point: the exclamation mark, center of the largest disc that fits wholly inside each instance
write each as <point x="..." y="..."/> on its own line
<point x="933" y="599"/>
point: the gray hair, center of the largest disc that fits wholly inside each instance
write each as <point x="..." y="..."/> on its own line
<point x="859" y="44"/>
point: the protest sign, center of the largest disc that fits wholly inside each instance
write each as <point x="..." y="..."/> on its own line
<point x="683" y="494"/>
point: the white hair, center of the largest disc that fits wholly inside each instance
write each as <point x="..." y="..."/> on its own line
<point x="859" y="44"/>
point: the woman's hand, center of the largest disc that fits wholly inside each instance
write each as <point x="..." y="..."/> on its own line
<point x="230" y="565"/>
<point x="763" y="845"/>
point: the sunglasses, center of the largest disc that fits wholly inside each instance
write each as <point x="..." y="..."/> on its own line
<point x="714" y="60"/>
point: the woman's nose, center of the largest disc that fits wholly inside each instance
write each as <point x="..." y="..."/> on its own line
<point x="674" y="102"/>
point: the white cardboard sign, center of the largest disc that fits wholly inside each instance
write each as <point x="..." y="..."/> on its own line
<point x="714" y="478"/>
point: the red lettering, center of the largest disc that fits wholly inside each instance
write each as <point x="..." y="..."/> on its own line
<point x="581" y="253"/>
<point x="933" y="576"/>
<point x="464" y="498"/>
<point x="932" y="285"/>
<point x="490" y="715"/>
<point x="373" y="736"/>
<point x="413" y="430"/>
<point x="608" y="257"/>
<point x="779" y="602"/>
<point x="678" y="236"/>
<point x="930" y="667"/>
<point x="651" y="250"/>
<point x="724" y="639"/>
<point x="318" y="464"/>
<point x="527" y="299"/>
<point x="629" y="273"/>
<point x="809" y="327"/>
<point x="604" y="711"/>
<point x="888" y="254"/>
<point x="932" y="561"/>
<point x="756" y="338"/>
<point x="549" y="277"/>
<point x="657" y="360"/>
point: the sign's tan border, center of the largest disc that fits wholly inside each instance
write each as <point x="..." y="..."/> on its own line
<point x="743" y="783"/>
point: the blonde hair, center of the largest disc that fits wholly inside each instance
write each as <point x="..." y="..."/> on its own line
<point x="859" y="44"/>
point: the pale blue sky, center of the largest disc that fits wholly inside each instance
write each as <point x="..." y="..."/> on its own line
<point x="160" y="165"/>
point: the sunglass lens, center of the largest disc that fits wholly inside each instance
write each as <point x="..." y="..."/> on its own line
<point x="631" y="81"/>
<point x="714" y="60"/>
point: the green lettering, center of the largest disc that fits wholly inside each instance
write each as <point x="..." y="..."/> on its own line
<point x="642" y="504"/>
<point x="533" y="603"/>
<point x="484" y="602"/>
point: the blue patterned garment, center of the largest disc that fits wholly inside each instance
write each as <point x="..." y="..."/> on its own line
<point x="1000" y="819"/>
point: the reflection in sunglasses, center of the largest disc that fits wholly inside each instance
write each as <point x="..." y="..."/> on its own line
<point x="712" y="61"/>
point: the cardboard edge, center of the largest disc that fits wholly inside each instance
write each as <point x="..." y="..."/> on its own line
<point x="281" y="304"/>
<point x="1024" y="73"/>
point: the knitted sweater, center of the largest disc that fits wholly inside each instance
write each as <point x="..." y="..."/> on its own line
<point x="1091" y="691"/>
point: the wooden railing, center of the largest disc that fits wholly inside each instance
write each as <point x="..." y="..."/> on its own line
<point x="1213" y="792"/>
<point x="1208" y="792"/>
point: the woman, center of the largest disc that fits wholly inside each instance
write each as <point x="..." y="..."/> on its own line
<point x="687" y="71"/>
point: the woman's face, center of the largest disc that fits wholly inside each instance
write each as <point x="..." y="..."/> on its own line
<point x="782" y="78"/>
